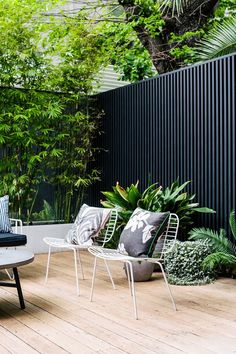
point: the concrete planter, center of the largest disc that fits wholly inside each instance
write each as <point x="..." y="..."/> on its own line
<point x="36" y="233"/>
<point x="142" y="271"/>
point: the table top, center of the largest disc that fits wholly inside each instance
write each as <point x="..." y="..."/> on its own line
<point x="14" y="258"/>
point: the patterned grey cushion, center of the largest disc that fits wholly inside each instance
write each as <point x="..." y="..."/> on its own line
<point x="140" y="235"/>
<point x="5" y="225"/>
<point x="88" y="223"/>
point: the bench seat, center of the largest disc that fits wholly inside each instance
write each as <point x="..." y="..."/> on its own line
<point x="10" y="239"/>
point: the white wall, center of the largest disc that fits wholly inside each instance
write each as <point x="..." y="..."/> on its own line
<point x="36" y="233"/>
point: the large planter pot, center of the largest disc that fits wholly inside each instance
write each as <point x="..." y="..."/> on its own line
<point x="142" y="271"/>
<point x="36" y="233"/>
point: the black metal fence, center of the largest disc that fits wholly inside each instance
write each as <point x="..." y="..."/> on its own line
<point x="180" y="124"/>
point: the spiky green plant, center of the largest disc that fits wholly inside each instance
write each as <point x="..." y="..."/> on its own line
<point x="176" y="6"/>
<point x="223" y="249"/>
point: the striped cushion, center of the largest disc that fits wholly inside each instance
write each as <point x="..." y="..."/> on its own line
<point x="5" y="225"/>
<point x="88" y="223"/>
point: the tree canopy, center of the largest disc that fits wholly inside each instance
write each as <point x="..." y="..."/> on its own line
<point x="140" y="35"/>
<point x="44" y="51"/>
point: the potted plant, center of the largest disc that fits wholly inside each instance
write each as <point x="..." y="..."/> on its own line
<point x="157" y="199"/>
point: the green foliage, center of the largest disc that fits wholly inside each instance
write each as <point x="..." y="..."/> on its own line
<point x="124" y="50"/>
<point x="23" y="56"/>
<point x="80" y="54"/>
<point x="41" y="142"/>
<point x="47" y="213"/>
<point x="176" y="6"/>
<point x="154" y="198"/>
<point x="150" y="17"/>
<point x="223" y="254"/>
<point x="126" y="200"/>
<point x="220" y="41"/>
<point x="45" y="136"/>
<point x="183" y="263"/>
<point x="161" y="30"/>
<point x="224" y="10"/>
<point x="182" y="48"/>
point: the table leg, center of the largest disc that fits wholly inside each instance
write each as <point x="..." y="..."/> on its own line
<point x="18" y="286"/>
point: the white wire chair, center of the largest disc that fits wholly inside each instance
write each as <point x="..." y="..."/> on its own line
<point x="103" y="237"/>
<point x="167" y="238"/>
<point x="17" y="225"/>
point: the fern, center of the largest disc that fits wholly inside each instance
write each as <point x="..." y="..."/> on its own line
<point x="224" y="251"/>
<point x="217" y="260"/>
<point x="218" y="241"/>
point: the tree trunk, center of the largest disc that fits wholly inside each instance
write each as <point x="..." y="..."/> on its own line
<point x="194" y="17"/>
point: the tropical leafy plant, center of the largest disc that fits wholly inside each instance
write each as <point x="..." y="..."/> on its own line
<point x="126" y="200"/>
<point x="154" y="198"/>
<point x="223" y="254"/>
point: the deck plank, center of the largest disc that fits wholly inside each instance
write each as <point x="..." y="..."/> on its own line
<point x="56" y="320"/>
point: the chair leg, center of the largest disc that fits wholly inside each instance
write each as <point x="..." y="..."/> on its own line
<point x="11" y="277"/>
<point x="133" y="289"/>
<point x="76" y="272"/>
<point x="93" y="278"/>
<point x="48" y="263"/>
<point x="167" y="285"/>
<point x="110" y="276"/>
<point x="128" y="277"/>
<point x="80" y="263"/>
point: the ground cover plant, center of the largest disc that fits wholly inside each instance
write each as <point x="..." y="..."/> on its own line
<point x="183" y="263"/>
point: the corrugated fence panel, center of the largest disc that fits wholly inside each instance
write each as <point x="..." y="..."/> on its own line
<point x="180" y="124"/>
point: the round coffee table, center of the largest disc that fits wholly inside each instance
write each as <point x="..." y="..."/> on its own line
<point x="13" y="259"/>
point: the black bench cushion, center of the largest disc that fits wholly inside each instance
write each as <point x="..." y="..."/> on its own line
<point x="9" y="239"/>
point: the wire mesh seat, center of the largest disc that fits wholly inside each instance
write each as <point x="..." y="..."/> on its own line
<point x="167" y="240"/>
<point x="102" y="239"/>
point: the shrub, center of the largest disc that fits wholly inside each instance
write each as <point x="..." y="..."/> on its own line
<point x="183" y="263"/>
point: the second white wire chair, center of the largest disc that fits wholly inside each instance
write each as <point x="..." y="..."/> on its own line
<point x="167" y="238"/>
<point x="102" y="239"/>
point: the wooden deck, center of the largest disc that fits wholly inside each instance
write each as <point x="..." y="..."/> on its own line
<point x="57" y="321"/>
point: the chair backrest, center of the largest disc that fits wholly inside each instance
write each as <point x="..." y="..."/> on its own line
<point x="107" y="233"/>
<point x="17" y="225"/>
<point x="169" y="236"/>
